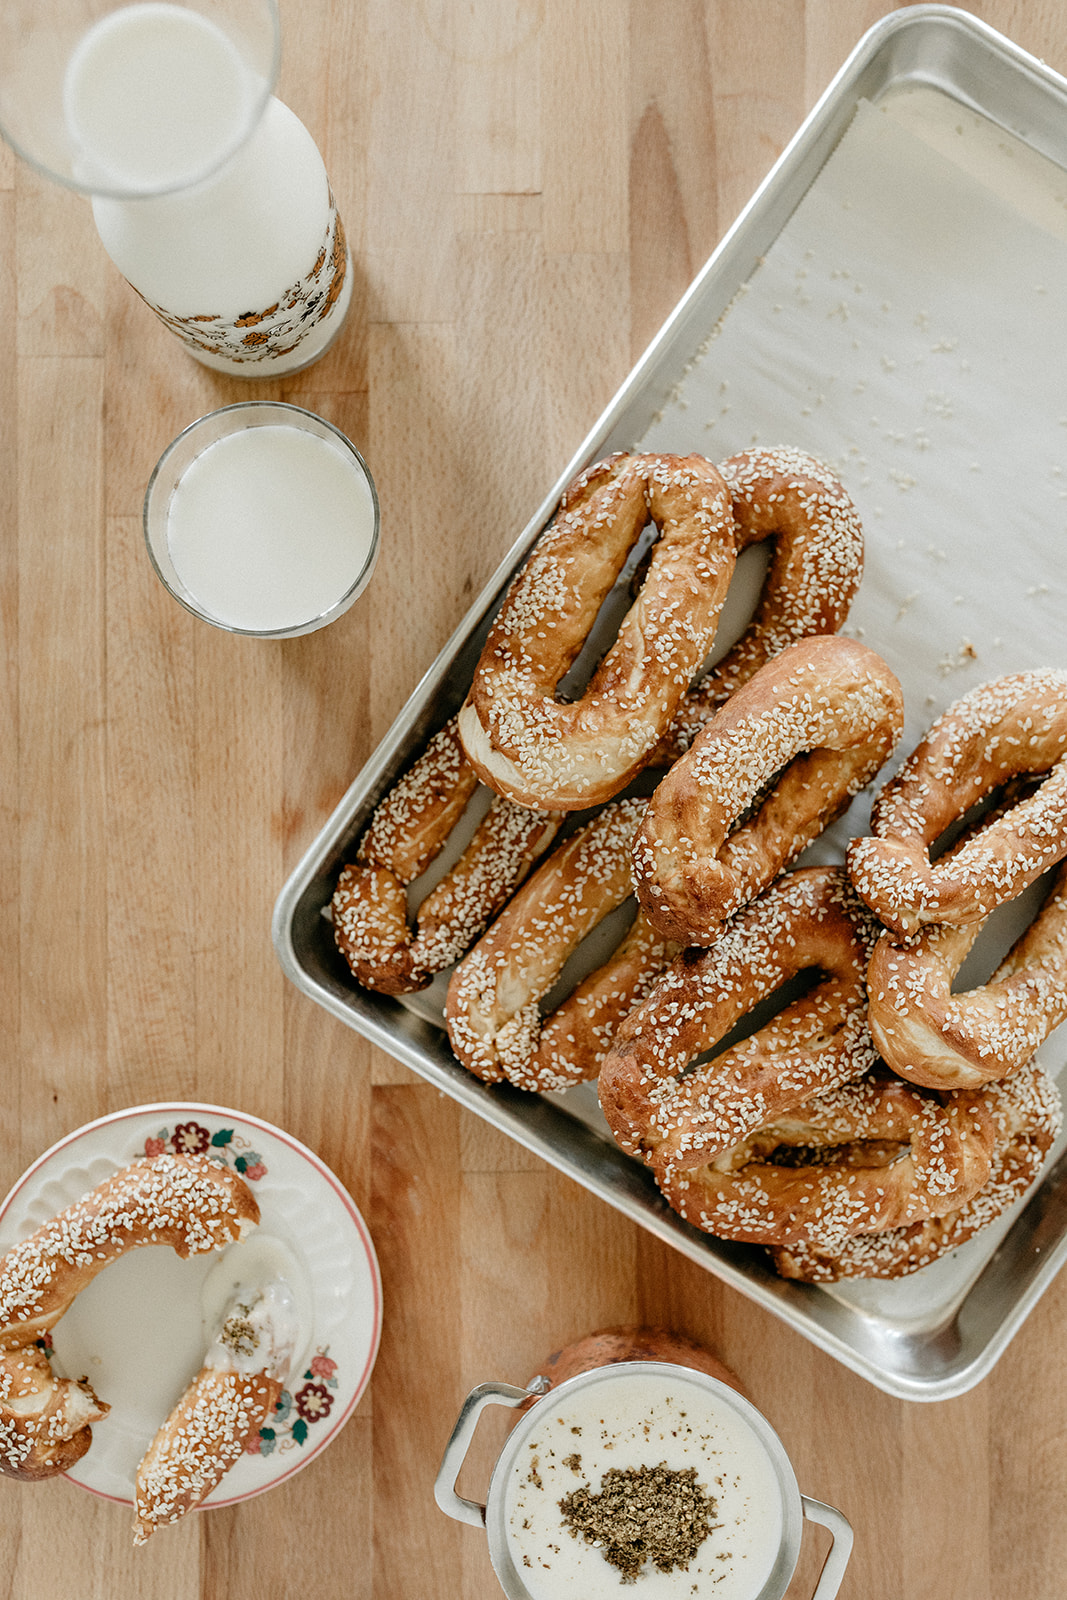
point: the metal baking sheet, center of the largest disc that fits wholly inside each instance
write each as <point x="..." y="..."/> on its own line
<point x="887" y="300"/>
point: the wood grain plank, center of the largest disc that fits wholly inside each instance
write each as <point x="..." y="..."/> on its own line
<point x="416" y="1193"/>
<point x="1021" y="1464"/>
<point x="495" y="49"/>
<point x="948" y="1485"/>
<point x="414" y="440"/>
<point x="63" y="271"/>
<point x="759" y="94"/>
<point x="86" y="1544"/>
<point x="586" y="345"/>
<point x="331" y="1496"/>
<point x="10" y="815"/>
<point x="501" y="389"/>
<point x="408" y="257"/>
<point x="151" y="700"/>
<point x="62" y="765"/>
<point x="239" y="834"/>
<point x="674" y="209"/>
<point x="585" y="111"/>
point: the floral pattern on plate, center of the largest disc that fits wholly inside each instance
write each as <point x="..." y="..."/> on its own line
<point x="224" y="1145"/>
<point x="297" y="1410"/>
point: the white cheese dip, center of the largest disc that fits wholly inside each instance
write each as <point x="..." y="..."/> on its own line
<point x="642" y="1421"/>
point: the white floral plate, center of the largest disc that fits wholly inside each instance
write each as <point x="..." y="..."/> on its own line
<point x="140" y="1329"/>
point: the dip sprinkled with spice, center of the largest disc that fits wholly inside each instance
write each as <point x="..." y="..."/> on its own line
<point x="643" y="1475"/>
<point x="642" y="1514"/>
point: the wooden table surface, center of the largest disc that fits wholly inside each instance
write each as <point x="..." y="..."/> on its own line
<point x="528" y="187"/>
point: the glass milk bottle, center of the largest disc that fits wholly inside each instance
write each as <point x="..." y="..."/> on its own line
<point x="209" y="194"/>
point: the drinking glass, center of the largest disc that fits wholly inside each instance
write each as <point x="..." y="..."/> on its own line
<point x="262" y="519"/>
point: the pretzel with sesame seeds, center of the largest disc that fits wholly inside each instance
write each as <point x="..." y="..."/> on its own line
<point x="1027" y="1116"/>
<point x="224" y="1406"/>
<point x="494" y="1016"/>
<point x="664" y="1109"/>
<point x="790" y="498"/>
<point x="542" y="751"/>
<point x="189" y="1202"/>
<point x="408" y="830"/>
<point x="870" y="1155"/>
<point x="943" y="1040"/>
<point x="795" y="742"/>
<point x="1012" y="727"/>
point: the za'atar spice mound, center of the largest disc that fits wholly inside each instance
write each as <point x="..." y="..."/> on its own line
<point x="642" y="1514"/>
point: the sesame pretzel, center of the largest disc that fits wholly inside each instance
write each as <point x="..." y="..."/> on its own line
<point x="494" y="1006"/>
<point x="191" y="1203"/>
<point x="542" y="751"/>
<point x="233" y="1395"/>
<point x="1010" y="728"/>
<point x="814" y="724"/>
<point x="871" y="1155"/>
<point x="956" y="1041"/>
<point x="408" y="830"/>
<point x="788" y="497"/>
<point x="670" y="1113"/>
<point x="1027" y="1115"/>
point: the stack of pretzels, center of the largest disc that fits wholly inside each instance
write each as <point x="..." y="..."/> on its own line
<point x="876" y="1120"/>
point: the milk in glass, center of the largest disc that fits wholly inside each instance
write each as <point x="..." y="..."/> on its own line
<point x="270" y="527"/>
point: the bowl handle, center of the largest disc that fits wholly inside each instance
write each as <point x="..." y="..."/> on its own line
<point x="485" y="1394"/>
<point x="837" y="1560"/>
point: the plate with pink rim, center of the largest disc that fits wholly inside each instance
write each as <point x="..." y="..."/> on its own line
<point x="139" y="1330"/>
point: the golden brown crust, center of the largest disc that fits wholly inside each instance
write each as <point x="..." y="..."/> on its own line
<point x="1011" y="727"/>
<point x="45" y="1421"/>
<point x="556" y="755"/>
<point x="871" y="1155"/>
<point x="816" y="723"/>
<point x="574" y="1037"/>
<point x="1027" y="1114"/>
<point x="204" y="1435"/>
<point x="668" y="1112"/>
<point x="955" y="1041"/>
<point x="493" y="1009"/>
<point x="789" y="497"/>
<point x="407" y="832"/>
<point x="415" y="817"/>
<point x="190" y="1203"/>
